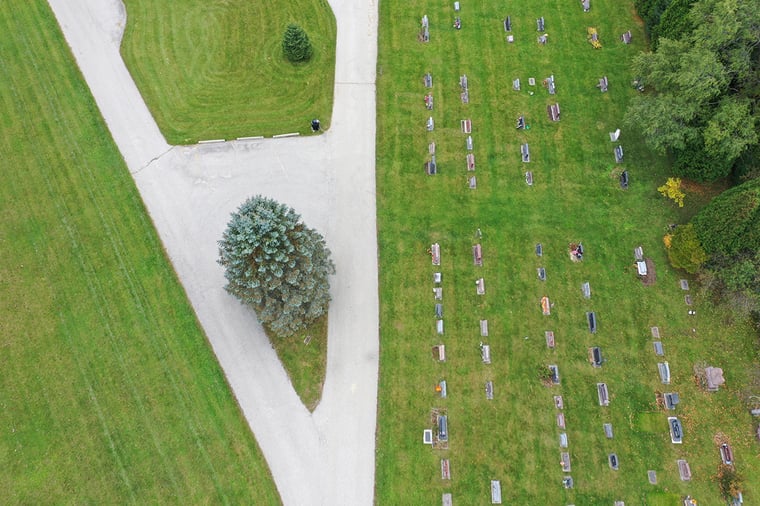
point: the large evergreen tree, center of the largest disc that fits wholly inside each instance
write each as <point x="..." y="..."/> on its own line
<point x="296" y="44"/>
<point x="276" y="265"/>
<point x="701" y="104"/>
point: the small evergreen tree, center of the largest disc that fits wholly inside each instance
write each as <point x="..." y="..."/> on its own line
<point x="296" y="44"/>
<point x="684" y="250"/>
<point x="276" y="265"/>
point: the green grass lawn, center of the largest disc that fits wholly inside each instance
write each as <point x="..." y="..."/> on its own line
<point x="214" y="69"/>
<point x="576" y="197"/>
<point x="109" y="391"/>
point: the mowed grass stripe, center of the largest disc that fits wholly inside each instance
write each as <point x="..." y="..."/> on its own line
<point x="211" y="70"/>
<point x="576" y="196"/>
<point x="110" y="391"/>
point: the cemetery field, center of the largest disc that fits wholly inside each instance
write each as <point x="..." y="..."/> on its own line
<point x="110" y="391"/>
<point x="215" y="70"/>
<point x="575" y="197"/>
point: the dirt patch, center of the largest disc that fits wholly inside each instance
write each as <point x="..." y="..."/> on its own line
<point x="651" y="276"/>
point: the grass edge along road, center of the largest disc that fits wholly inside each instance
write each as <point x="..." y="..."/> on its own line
<point x="110" y="391"/>
<point x="575" y="197"/>
<point x="215" y="70"/>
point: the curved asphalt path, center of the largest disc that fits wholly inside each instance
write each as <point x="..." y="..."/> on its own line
<point x="321" y="458"/>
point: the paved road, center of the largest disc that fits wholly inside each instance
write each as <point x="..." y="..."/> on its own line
<point x="324" y="458"/>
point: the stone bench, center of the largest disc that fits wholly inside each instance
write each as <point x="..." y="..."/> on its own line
<point x="477" y="255"/>
<point x="603" y="394"/>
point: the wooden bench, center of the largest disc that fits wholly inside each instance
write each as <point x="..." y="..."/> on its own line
<point x="469" y="143"/>
<point x="470" y="162"/>
<point x="603" y="394"/>
<point x="586" y="290"/>
<point x="541" y="273"/>
<point x="676" y="430"/>
<point x="664" y="369"/>
<point x="564" y="460"/>
<point x="529" y="178"/>
<point x="595" y="356"/>
<point x="563" y="440"/>
<point x="428" y="80"/>
<point x="445" y="469"/>
<point x="477" y="255"/>
<point x="485" y="353"/>
<point x="658" y="349"/>
<point x="525" y="151"/>
<point x="608" y="430"/>
<point x="618" y="154"/>
<point x="489" y="390"/>
<point x="591" y="319"/>
<point x="484" y="328"/>
<point x="480" y="286"/>
<point x="516" y="84"/>
<point x="435" y="253"/>
<point x="612" y="459"/>
<point x="495" y="492"/>
<point x="549" y="335"/>
<point x="684" y="471"/>
<point x="540" y="24"/>
<point x="726" y="455"/>
<point x="466" y="126"/>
